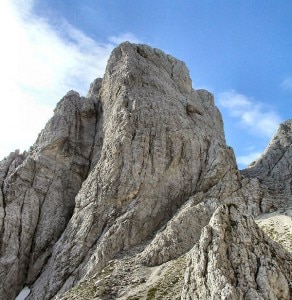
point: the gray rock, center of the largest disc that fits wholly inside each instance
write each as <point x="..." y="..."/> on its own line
<point x="38" y="191"/>
<point x="234" y="259"/>
<point x="156" y="153"/>
<point x="127" y="184"/>
<point x="274" y="169"/>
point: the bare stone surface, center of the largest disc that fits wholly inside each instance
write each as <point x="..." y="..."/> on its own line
<point x="274" y="169"/>
<point x="234" y="259"/>
<point x="156" y="154"/>
<point x="38" y="191"/>
<point x="125" y="186"/>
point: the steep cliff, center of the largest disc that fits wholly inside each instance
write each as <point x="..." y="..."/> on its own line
<point x="126" y="189"/>
<point x="38" y="190"/>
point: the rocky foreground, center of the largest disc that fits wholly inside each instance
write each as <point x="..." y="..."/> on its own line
<point x="132" y="193"/>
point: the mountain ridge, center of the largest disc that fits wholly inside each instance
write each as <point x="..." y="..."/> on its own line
<point x="132" y="177"/>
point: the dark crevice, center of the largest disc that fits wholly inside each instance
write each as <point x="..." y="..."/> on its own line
<point x="97" y="141"/>
<point x="276" y="163"/>
<point x="258" y="265"/>
<point x="141" y="52"/>
<point x="151" y="149"/>
<point x="204" y="155"/>
<point x="20" y="223"/>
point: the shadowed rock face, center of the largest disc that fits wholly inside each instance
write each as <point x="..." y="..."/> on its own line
<point x="38" y="190"/>
<point x="141" y="162"/>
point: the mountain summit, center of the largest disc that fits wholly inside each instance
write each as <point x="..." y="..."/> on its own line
<point x="132" y="193"/>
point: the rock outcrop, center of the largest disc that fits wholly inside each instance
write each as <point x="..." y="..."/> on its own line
<point x="38" y="190"/>
<point x="234" y="259"/>
<point x="274" y="169"/>
<point x="125" y="191"/>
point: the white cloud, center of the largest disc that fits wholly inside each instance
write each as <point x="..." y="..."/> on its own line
<point x="39" y="64"/>
<point x="287" y="84"/>
<point x="252" y="115"/>
<point x="245" y="160"/>
<point x="128" y="36"/>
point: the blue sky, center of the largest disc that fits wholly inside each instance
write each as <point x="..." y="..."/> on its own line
<point x="238" y="50"/>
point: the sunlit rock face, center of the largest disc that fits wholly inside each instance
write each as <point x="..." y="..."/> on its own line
<point x="234" y="259"/>
<point x="274" y="169"/>
<point x="128" y="182"/>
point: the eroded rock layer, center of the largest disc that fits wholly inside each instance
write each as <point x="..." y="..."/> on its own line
<point x="134" y="181"/>
<point x="234" y="259"/>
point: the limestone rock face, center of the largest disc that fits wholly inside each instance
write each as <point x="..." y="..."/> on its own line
<point x="118" y="196"/>
<point x="234" y="259"/>
<point x="274" y="169"/>
<point x="38" y="191"/>
<point x="275" y="163"/>
<point x="162" y="142"/>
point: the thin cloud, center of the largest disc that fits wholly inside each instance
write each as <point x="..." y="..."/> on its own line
<point x="252" y="115"/>
<point x="128" y="36"/>
<point x="245" y="160"/>
<point x="287" y="84"/>
<point x="39" y="64"/>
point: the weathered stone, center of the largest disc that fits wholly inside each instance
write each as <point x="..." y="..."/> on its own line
<point x="38" y="191"/>
<point x="154" y="157"/>
<point x="234" y="259"/>
<point x="123" y="186"/>
<point x="274" y="169"/>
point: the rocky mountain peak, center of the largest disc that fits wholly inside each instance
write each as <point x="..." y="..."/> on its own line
<point x="123" y="187"/>
<point x="276" y="157"/>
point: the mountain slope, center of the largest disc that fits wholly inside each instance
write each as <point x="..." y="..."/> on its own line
<point x="118" y="192"/>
